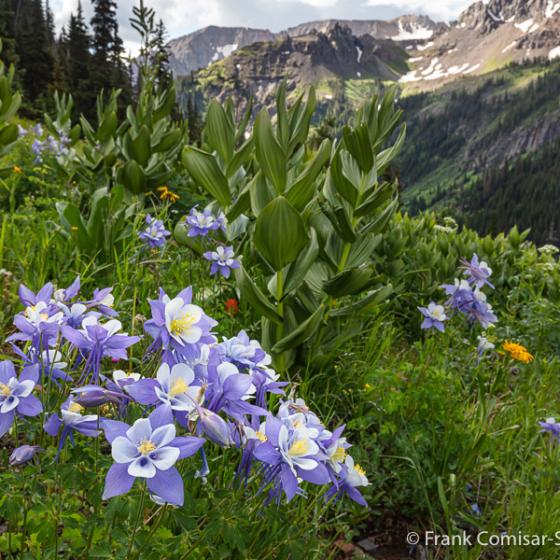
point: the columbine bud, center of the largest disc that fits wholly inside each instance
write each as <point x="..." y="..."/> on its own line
<point x="214" y="427"/>
<point x="23" y="454"/>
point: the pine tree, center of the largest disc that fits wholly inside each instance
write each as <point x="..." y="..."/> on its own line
<point x="34" y="50"/>
<point x="107" y="69"/>
<point x="7" y="32"/>
<point x="79" y="60"/>
<point x="162" y="57"/>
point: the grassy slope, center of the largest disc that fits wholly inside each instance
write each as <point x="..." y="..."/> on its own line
<point x="445" y="171"/>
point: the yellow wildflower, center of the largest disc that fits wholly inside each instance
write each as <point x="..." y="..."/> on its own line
<point x="166" y="194"/>
<point x="17" y="170"/>
<point x="517" y="352"/>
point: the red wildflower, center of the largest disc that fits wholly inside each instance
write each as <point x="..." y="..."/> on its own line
<point x="232" y="306"/>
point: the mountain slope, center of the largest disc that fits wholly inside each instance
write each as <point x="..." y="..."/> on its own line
<point x="318" y="58"/>
<point x="472" y="129"/>
<point x="487" y="36"/>
<point x="203" y="47"/>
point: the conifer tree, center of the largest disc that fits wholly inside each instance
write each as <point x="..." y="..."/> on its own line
<point x="107" y="69"/>
<point x="79" y="60"/>
<point x="34" y="50"/>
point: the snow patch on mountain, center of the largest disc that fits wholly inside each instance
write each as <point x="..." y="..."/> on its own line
<point x="525" y="25"/>
<point x="416" y="33"/>
<point x="554" y="53"/>
<point x="551" y="8"/>
<point x="223" y="51"/>
<point x="509" y="47"/>
<point x="360" y="53"/>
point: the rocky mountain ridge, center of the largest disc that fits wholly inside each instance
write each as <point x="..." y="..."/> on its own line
<point x="198" y="50"/>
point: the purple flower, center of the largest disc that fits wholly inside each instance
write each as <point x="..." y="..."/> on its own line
<point x="470" y="302"/>
<point x="178" y="327"/>
<point x="148" y="450"/>
<point x="354" y="478"/>
<point x="65" y="295"/>
<point x="477" y="272"/>
<point x="155" y="233"/>
<point x="28" y="298"/>
<point x="103" y="301"/>
<point x="16" y="394"/>
<point x="172" y="388"/>
<point x="222" y="260"/>
<point x="96" y="340"/>
<point x="290" y="455"/>
<point x="434" y="316"/>
<point x="71" y="420"/>
<point x="23" y="454"/>
<point x="202" y="223"/>
<point x="551" y="426"/>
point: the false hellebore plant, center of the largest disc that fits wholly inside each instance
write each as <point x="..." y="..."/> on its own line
<point x="202" y="389"/>
<point x="311" y="217"/>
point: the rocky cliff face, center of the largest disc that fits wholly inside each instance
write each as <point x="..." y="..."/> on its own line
<point x="487" y="36"/>
<point x="211" y="44"/>
<point x="256" y="70"/>
<point x="201" y="48"/>
<point x="404" y="28"/>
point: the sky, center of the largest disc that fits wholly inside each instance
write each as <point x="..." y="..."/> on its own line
<point x="184" y="16"/>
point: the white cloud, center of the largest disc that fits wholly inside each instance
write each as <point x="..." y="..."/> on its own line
<point x="443" y="10"/>
<point x="185" y="16"/>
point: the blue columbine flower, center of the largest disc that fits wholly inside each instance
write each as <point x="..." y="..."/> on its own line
<point x="174" y="388"/>
<point x="96" y="340"/>
<point x="16" y="394"/>
<point x="552" y="427"/>
<point x="434" y="316"/>
<point x="477" y="272"/>
<point x="23" y="454"/>
<point x="202" y="223"/>
<point x="290" y="455"/>
<point x="179" y="327"/>
<point x="155" y="233"/>
<point x="71" y="420"/>
<point x="222" y="260"/>
<point x="148" y="450"/>
<point x="354" y="477"/>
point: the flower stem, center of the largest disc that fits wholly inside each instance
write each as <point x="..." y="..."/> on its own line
<point x="137" y="522"/>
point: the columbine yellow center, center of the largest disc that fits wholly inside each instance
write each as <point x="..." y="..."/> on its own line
<point x="146" y="447"/>
<point x="5" y="390"/>
<point x="359" y="470"/>
<point x="261" y="436"/>
<point x="177" y="388"/>
<point x="183" y="324"/>
<point x="339" y="455"/>
<point x="299" y="447"/>
<point x="75" y="407"/>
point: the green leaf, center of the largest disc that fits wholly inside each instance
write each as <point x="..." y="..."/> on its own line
<point x="255" y="297"/>
<point x="305" y="331"/>
<point x="261" y="193"/>
<point x="270" y="155"/>
<point x="298" y="269"/>
<point x="358" y="144"/>
<point x="219" y="131"/>
<point x="379" y="224"/>
<point x="302" y="191"/>
<point x="365" y="305"/>
<point x="206" y="172"/>
<point x="132" y="177"/>
<point x="280" y="233"/>
<point x="348" y="282"/>
<point x="362" y="250"/>
<point x="72" y="221"/>
<point x="140" y="146"/>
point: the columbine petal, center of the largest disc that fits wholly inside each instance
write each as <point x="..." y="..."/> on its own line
<point x="165" y="457"/>
<point x="142" y="468"/>
<point x="123" y="450"/>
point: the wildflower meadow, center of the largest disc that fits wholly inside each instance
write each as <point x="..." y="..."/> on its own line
<point x="242" y="348"/>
